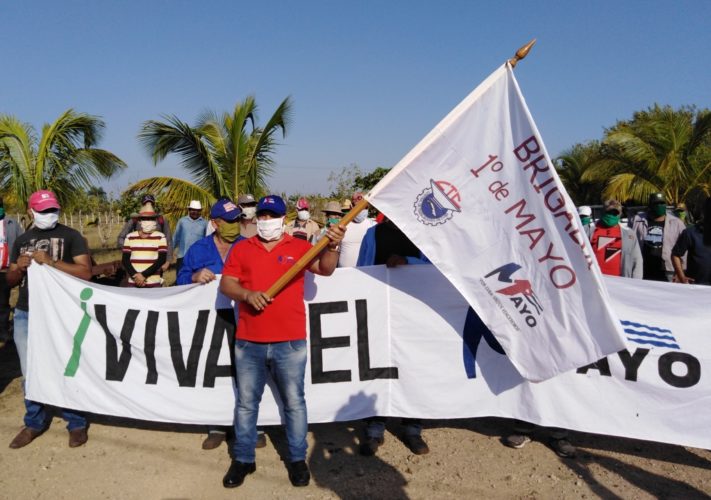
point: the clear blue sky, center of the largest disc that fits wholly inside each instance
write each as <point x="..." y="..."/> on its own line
<point x="369" y="78"/>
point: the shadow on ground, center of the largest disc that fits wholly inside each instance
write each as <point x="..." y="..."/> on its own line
<point x="336" y="464"/>
<point x="9" y="365"/>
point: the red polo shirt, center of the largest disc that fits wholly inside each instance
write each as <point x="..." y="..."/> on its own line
<point x="257" y="269"/>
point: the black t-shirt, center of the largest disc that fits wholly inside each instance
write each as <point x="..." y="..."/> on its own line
<point x="61" y="243"/>
<point x="389" y="240"/>
<point x="698" y="258"/>
<point x="652" y="261"/>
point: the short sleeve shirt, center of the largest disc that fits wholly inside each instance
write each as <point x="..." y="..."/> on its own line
<point x="257" y="269"/>
<point x="61" y="243"/>
<point x="144" y="250"/>
<point x="698" y="261"/>
<point x="653" y="264"/>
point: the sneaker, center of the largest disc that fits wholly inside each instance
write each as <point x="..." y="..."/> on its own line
<point x="563" y="448"/>
<point x="299" y="474"/>
<point x="369" y="446"/>
<point x="517" y="441"/>
<point x="261" y="440"/>
<point x="416" y="444"/>
<point x="237" y="472"/>
<point x="213" y="440"/>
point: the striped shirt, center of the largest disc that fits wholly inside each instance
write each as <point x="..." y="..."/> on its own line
<point x="144" y="252"/>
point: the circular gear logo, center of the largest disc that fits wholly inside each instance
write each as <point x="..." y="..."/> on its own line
<point x="437" y="203"/>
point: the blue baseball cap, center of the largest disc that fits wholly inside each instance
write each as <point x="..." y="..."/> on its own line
<point x="225" y="209"/>
<point x="272" y="203"/>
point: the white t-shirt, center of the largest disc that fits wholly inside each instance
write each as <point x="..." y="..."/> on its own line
<point x="350" y="246"/>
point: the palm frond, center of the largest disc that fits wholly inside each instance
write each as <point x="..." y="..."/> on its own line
<point x="16" y="157"/>
<point x="176" y="136"/>
<point x="60" y="141"/>
<point x="225" y="154"/>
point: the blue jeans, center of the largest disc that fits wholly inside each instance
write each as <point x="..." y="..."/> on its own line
<point x="286" y="362"/>
<point x="35" y="414"/>
<point x="375" y="427"/>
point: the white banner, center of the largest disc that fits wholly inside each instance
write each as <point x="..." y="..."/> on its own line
<point x="481" y="199"/>
<point x="382" y="341"/>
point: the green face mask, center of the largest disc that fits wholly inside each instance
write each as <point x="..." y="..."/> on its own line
<point x="2" y="213"/>
<point x="585" y="220"/>
<point x="610" y="220"/>
<point x="333" y="221"/>
<point x="659" y="210"/>
<point x="228" y="231"/>
<point x="681" y="214"/>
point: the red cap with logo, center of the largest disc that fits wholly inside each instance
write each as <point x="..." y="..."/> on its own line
<point x="42" y="200"/>
<point x="302" y="204"/>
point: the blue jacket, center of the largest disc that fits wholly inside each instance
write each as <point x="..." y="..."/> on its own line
<point x="202" y="254"/>
<point x="366" y="256"/>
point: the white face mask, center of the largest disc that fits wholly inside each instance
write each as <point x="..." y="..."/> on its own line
<point x="148" y="226"/>
<point x="249" y="212"/>
<point x="270" y="229"/>
<point x="45" y="221"/>
<point x="362" y="215"/>
<point x="303" y="214"/>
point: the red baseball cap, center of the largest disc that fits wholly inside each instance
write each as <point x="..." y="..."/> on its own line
<point x="42" y="200"/>
<point x="302" y="204"/>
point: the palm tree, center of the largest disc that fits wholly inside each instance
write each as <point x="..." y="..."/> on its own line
<point x="62" y="159"/>
<point x="224" y="155"/>
<point x="572" y="165"/>
<point x="659" y="150"/>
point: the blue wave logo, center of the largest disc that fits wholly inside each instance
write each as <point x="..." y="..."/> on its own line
<point x="640" y="333"/>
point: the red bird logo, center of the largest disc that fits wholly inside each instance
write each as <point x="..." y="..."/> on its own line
<point x="519" y="286"/>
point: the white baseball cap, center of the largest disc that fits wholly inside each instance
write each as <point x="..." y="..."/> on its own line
<point x="585" y="211"/>
<point x="195" y="205"/>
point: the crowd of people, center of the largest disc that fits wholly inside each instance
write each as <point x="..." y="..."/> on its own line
<point x="246" y="242"/>
<point x="657" y="243"/>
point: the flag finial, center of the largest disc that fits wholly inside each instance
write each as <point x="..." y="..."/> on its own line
<point x="521" y="53"/>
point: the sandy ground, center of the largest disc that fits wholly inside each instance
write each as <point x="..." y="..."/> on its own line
<point x="130" y="459"/>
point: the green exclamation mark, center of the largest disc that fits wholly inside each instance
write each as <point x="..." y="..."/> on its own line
<point x="73" y="364"/>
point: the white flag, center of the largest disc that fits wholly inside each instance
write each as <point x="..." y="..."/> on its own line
<point x="481" y="199"/>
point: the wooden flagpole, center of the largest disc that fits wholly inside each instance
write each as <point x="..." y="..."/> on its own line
<point x="521" y="53"/>
<point x="313" y="253"/>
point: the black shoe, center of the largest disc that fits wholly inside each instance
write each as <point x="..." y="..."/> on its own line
<point x="299" y="474"/>
<point x="416" y="444"/>
<point x="370" y="445"/>
<point x="236" y="473"/>
<point x="563" y="448"/>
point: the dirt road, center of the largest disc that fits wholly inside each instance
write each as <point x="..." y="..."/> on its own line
<point x="129" y="459"/>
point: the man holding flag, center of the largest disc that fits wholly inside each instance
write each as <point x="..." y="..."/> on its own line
<point x="271" y="334"/>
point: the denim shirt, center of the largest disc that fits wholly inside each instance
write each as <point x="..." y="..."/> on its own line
<point x="187" y="232"/>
